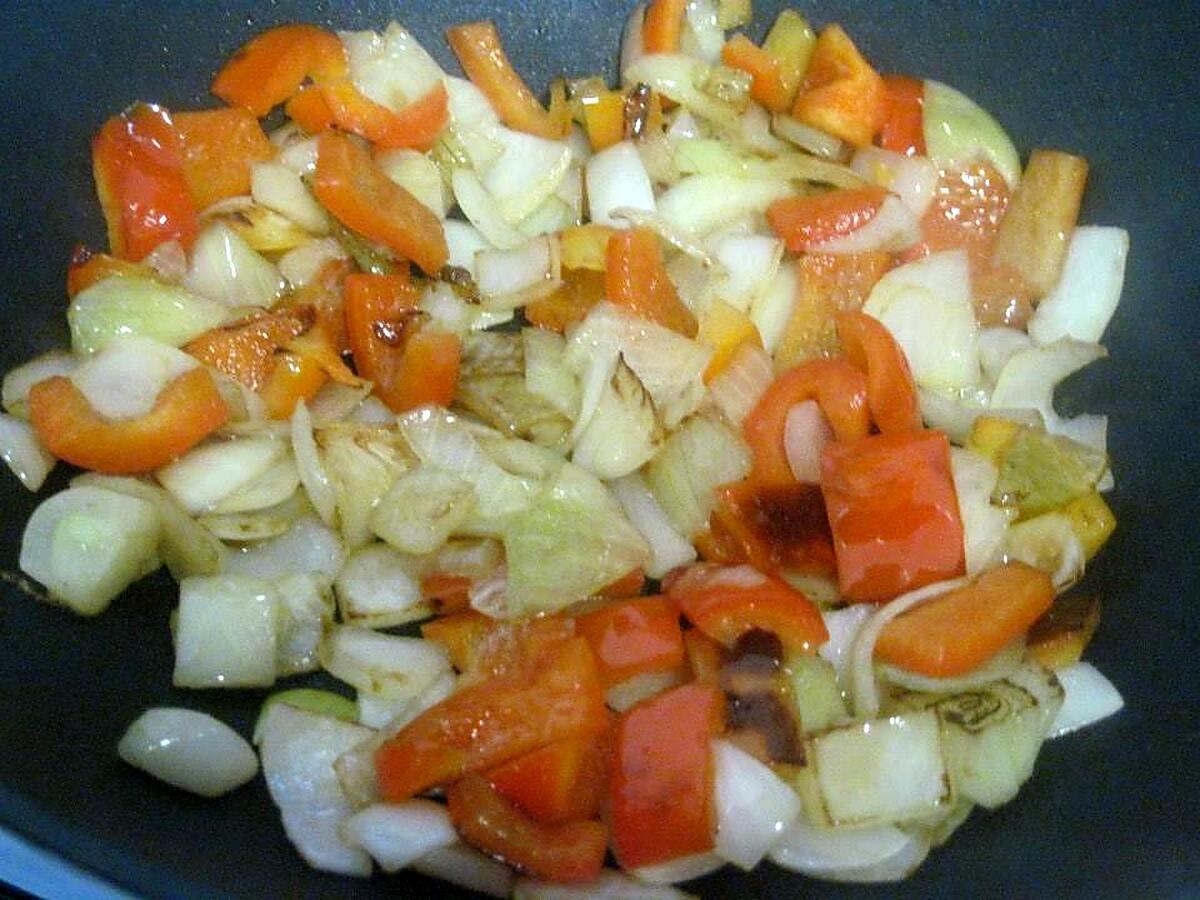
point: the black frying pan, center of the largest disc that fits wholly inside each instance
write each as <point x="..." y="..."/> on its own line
<point x="1110" y="812"/>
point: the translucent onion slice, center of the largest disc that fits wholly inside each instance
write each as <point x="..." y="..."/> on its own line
<point x="807" y="138"/>
<point x="1083" y="302"/>
<point x="466" y="867"/>
<point x="805" y="434"/>
<point x="608" y="885"/>
<point x="398" y="834"/>
<point x="24" y="453"/>
<point x="742" y="382"/>
<point x="616" y="178"/>
<point x="754" y="806"/>
<point x="190" y="750"/>
<point x="1090" y="697"/>
<point x="865" y="855"/>
<point x="15" y="389"/>
<point x="280" y="188"/>
<point x="484" y="213"/>
<point x="308" y="462"/>
<point x="911" y="178"/>
<point x="668" y="548"/>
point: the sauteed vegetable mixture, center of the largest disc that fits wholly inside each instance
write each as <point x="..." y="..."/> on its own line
<point x="669" y="472"/>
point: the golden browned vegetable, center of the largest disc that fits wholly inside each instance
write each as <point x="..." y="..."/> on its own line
<point x="1058" y="638"/>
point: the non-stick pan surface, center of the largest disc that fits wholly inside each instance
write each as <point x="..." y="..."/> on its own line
<point x="1111" y="812"/>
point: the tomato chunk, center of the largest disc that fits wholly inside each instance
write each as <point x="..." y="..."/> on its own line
<point x="893" y="513"/>
<point x="661" y="794"/>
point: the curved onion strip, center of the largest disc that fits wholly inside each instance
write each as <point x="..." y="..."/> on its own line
<point x="863" y="689"/>
<point x="20" y="448"/>
<point x="488" y="595"/>
<point x="805" y="435"/>
<point x="641" y="218"/>
<point x="742" y="382"/>
<point x="809" y="139"/>
<point x="312" y="472"/>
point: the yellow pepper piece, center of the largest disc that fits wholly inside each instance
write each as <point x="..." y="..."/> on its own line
<point x="724" y="328"/>
<point x="1092" y="521"/>
<point x="991" y="436"/>
<point x="791" y="41"/>
<point x="604" y="119"/>
<point x="584" y="246"/>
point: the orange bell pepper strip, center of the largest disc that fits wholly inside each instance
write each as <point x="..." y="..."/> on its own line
<point x="839" y="389"/>
<point x="270" y="68"/>
<point x="219" y="147"/>
<point x="87" y="267"/>
<point x="478" y="48"/>
<point x="841" y="94"/>
<point x="293" y="378"/>
<point x="660" y="803"/>
<point x="186" y="411"/>
<point x="893" y="512"/>
<point x="633" y="637"/>
<point x="446" y="593"/>
<point x="317" y="344"/>
<point x="959" y="631"/>
<point x="245" y="351"/>
<point x="813" y="219"/>
<point x="663" y="26"/>
<point x="558" y="695"/>
<point x="581" y="289"/>
<point x="725" y="602"/>
<point x="323" y="295"/>
<point x="604" y="119"/>
<point x="360" y="196"/>
<point x="768" y="83"/>
<point x="903" y="129"/>
<point x="308" y="109"/>
<point x="568" y="853"/>
<point x="636" y="278"/>
<point x="891" y="393"/>
<point x="427" y="372"/>
<point x="771" y="527"/>
<point x="628" y="585"/>
<point x="416" y="126"/>
<point x="137" y="163"/>
<point x="559" y="782"/>
<point x="459" y="634"/>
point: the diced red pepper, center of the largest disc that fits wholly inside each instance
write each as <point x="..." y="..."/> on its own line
<point x="636" y="278"/>
<point x="270" y="68"/>
<point x="559" y="782"/>
<point x="219" y="147"/>
<point x="893" y="512"/>
<point x="903" y="129"/>
<point x="633" y="637"/>
<point x="805" y="221"/>
<point x="771" y="527"/>
<point x="891" y="393"/>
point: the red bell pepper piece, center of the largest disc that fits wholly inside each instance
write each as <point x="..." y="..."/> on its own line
<point x="188" y="410"/>
<point x="270" y="68"/>
<point x="839" y="389"/>
<point x="661" y="793"/>
<point x="633" y="637"/>
<point x="571" y="852"/>
<point x="725" y="602"/>
<point x="841" y="94"/>
<point x="459" y="634"/>
<point x="893" y="512"/>
<point x="559" y="782"/>
<point x="555" y="694"/>
<point x="769" y="86"/>
<point x="903" y="128"/>
<point x="245" y="351"/>
<point x="636" y="278"/>
<point x="417" y="125"/>
<point x="891" y="393"/>
<point x="771" y="527"/>
<point x="137" y="162"/>
<point x="804" y="221"/>
<point x="219" y="147"/>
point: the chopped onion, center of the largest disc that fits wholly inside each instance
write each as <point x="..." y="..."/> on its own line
<point x="1047" y="542"/>
<point x="527" y="172"/>
<point x="386" y="665"/>
<point x="300" y="155"/>
<point x="754" y="132"/>
<point x="123" y="380"/>
<point x="481" y="209"/>
<point x="24" y="453"/>
<point x="489" y="595"/>
<point x="702" y="37"/>
<point x="305" y="614"/>
<point x="376" y="588"/>
<point x="864" y="855"/>
<point x="279" y="188"/>
<point x="617" y="179"/>
<point x="308" y="546"/>
<point x="226" y="632"/>
<point x="984" y="525"/>
<point x="748" y="263"/>
<point x="926" y="305"/>
<point x="843" y="626"/>
<point x="298" y="750"/>
<point x="190" y="750"/>
<point x="545" y="374"/>
<point x="668" y="548"/>
<point x="392" y="69"/>
<point x="608" y="885"/>
<point x="422" y="509"/>
<point x="677" y="76"/>
<point x="470" y="109"/>
<point x="622" y="432"/>
<point x="958" y="131"/>
<point x="742" y="382"/>
<point x="629" y="693"/>
<point x="311" y="470"/>
<point x="1029" y="378"/>
<point x="773" y="309"/>
<point x="464" y="241"/>
<point x="207" y="474"/>
<point x="1085" y="298"/>
<point x="509" y="278"/>
<point x="805" y="434"/>
<point x="466" y="867"/>
<point x="18" y="381"/>
<point x="640" y="218"/>
<point x="862" y="670"/>
<point x="302" y="265"/>
<point x="754" y="806"/>
<point x="632" y="46"/>
<point x="126" y="305"/>
<point x="398" y="834"/>
<point x="911" y="178"/>
<point x="699" y="204"/>
<point x="169" y="260"/>
<point x="226" y="269"/>
<point x="893" y="228"/>
<point x="392" y="713"/>
<point x="809" y="139"/>
<point x="997" y="345"/>
<point x="683" y="868"/>
<point x="1090" y="697"/>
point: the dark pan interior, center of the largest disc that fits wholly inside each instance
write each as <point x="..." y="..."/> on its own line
<point x="1111" y="812"/>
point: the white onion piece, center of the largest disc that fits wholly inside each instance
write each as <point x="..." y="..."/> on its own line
<point x="335" y="402"/>
<point x="1090" y="697"/>
<point x="677" y="77"/>
<point x="389" y="666"/>
<point x="862" y="672"/>
<point x="685" y="244"/>
<point x="278" y="187"/>
<point x="377" y="588"/>
<point x="393" y="714"/>
<point x="484" y="213"/>
<point x="190" y="750"/>
<point x="772" y="310"/>
<point x="507" y="277"/>
<point x="298" y="750"/>
<point x="754" y="806"/>
<point x="702" y="36"/>
<point x="683" y="126"/>
<point x="207" y="474"/>
<point x="742" y="382"/>
<point x="123" y="380"/>
<point x="876" y="854"/>
<point x="308" y="461"/>
<point x="273" y="487"/>
<point x="805" y="434"/>
<point x="633" y="48"/>
<point x="984" y="524"/>
<point x="226" y="633"/>
<point x="1047" y="542"/>
<point x="683" y="868"/>
<point x="470" y="110"/>
<point x="1085" y="298"/>
<point x="489" y="595"/>
<point x="668" y="548"/>
<point x="302" y="265"/>
<point x="911" y="178"/>
<point x="527" y="172"/>
<point x="300" y="155"/>
<point x="700" y="204"/>
<point x="308" y="546"/>
<point x="23" y="452"/>
<point x="608" y="885"/>
<point x="227" y="269"/>
<point x="811" y="140"/>
<point x="748" y="263"/>
<point x="466" y="867"/>
<point x="398" y="834"/>
<point x="926" y="305"/>
<point x="464" y="241"/>
<point x="392" y="69"/>
<point x="629" y="693"/>
<point x="893" y="228"/>
<point x="997" y="345"/>
<point x="843" y="626"/>
<point x="1029" y="378"/>
<point x="754" y="132"/>
<point x="17" y="382"/>
<point x="616" y="178"/>
<point x="169" y="260"/>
